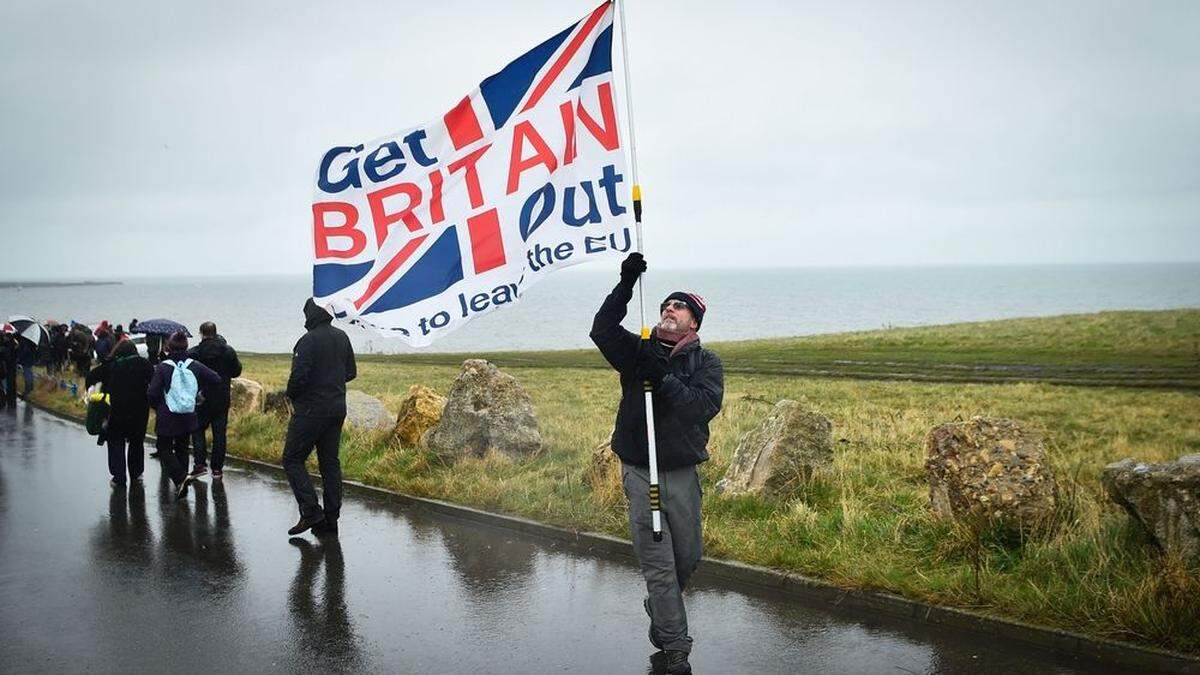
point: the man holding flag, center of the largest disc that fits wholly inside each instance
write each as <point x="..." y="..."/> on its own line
<point x="418" y="232"/>
<point x="688" y="384"/>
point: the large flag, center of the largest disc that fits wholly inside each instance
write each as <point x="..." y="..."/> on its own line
<point x="418" y="232"/>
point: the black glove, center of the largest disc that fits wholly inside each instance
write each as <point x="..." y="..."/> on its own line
<point x="652" y="365"/>
<point x="631" y="268"/>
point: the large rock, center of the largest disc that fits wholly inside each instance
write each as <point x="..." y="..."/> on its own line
<point x="364" y="411"/>
<point x="278" y="403"/>
<point x="419" y="411"/>
<point x="783" y="452"/>
<point x="991" y="469"/>
<point x="486" y="409"/>
<point x="1163" y="498"/>
<point x="245" y="395"/>
<point x="603" y="474"/>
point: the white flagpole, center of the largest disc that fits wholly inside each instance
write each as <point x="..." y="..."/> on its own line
<point x="655" y="503"/>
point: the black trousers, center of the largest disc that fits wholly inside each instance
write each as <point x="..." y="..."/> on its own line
<point x="173" y="453"/>
<point x="10" y="385"/>
<point x="218" y="419"/>
<point x="126" y="440"/>
<point x="325" y="434"/>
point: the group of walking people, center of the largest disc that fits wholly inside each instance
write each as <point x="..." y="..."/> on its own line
<point x="190" y="392"/>
<point x="65" y="345"/>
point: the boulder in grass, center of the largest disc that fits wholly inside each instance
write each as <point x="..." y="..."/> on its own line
<point x="419" y="412"/>
<point x="365" y="412"/>
<point x="485" y="409"/>
<point x="277" y="402"/>
<point x="603" y="474"/>
<point x="245" y="395"/>
<point x="990" y="469"/>
<point x="1162" y="498"/>
<point x="789" y="446"/>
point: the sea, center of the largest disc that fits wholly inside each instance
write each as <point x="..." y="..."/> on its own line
<point x="263" y="314"/>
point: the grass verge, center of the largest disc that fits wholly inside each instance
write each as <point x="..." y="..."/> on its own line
<point x="865" y="524"/>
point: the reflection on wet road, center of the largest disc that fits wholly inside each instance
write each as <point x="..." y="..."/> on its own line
<point x="109" y="579"/>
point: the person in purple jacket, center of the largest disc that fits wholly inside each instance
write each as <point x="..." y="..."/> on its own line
<point x="175" y="429"/>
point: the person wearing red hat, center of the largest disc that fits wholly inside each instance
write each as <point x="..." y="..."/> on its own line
<point x="688" y="385"/>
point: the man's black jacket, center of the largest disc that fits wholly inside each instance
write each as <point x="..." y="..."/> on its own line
<point x="322" y="364"/>
<point x="221" y="359"/>
<point x="689" y="396"/>
<point x="8" y="355"/>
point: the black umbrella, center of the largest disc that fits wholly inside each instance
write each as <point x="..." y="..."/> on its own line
<point x="29" y="329"/>
<point x="20" y="322"/>
<point x="161" y="327"/>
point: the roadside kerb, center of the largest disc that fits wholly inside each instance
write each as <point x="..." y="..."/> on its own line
<point x="802" y="587"/>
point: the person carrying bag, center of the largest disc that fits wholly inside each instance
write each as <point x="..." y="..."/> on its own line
<point x="97" y="413"/>
<point x="123" y="380"/>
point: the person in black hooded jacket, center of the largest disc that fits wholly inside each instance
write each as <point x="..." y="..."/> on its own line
<point x="688" y="385"/>
<point x="125" y="379"/>
<point x="322" y="364"/>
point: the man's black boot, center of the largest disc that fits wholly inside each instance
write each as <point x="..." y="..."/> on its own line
<point x="305" y="523"/>
<point x="327" y="526"/>
<point x="676" y="662"/>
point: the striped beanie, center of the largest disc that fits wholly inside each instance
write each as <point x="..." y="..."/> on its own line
<point x="694" y="302"/>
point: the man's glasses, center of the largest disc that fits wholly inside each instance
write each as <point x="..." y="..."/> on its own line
<point x="672" y="304"/>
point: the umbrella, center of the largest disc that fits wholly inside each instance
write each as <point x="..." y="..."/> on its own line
<point x="36" y="333"/>
<point x="20" y="322"/>
<point x="160" y="327"/>
<point x="29" y="329"/>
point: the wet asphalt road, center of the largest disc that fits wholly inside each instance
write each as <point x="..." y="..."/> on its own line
<point x="101" y="579"/>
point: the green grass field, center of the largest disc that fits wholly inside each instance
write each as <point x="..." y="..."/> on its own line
<point x="1158" y="349"/>
<point x="865" y="524"/>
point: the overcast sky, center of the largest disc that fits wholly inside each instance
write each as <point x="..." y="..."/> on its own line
<point x="146" y="138"/>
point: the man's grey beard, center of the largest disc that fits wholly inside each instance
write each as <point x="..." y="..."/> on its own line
<point x="669" y="324"/>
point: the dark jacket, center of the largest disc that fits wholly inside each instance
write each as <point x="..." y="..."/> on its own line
<point x="126" y="380"/>
<point x="104" y="346"/>
<point x="222" y="360"/>
<point x="8" y="355"/>
<point x="58" y="344"/>
<point x="27" y="353"/>
<point x="167" y="423"/>
<point x="689" y="396"/>
<point x="80" y="343"/>
<point x="322" y="364"/>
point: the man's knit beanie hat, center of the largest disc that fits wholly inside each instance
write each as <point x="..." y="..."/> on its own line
<point x="694" y="302"/>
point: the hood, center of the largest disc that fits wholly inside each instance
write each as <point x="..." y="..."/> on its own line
<point x="314" y="316"/>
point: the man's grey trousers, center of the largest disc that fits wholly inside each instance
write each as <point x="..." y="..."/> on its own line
<point x="668" y="564"/>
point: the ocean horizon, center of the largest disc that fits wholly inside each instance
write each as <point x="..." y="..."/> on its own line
<point x="261" y="313"/>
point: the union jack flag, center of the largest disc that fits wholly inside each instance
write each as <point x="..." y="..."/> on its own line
<point x="409" y="217"/>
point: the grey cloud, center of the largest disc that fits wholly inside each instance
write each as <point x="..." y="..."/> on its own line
<point x="843" y="133"/>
